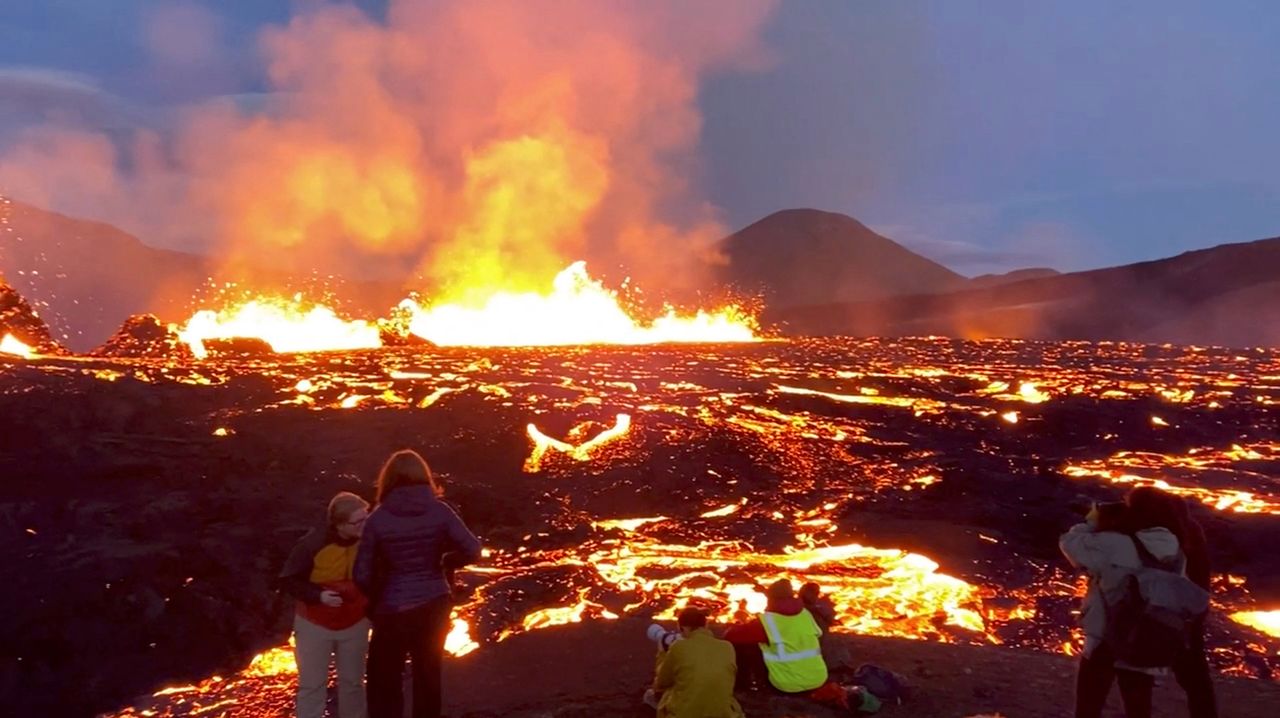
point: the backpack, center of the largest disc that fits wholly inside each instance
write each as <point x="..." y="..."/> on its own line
<point x="882" y="683"/>
<point x="1151" y="610"/>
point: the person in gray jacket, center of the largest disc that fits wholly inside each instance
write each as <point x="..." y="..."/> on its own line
<point x="411" y="544"/>
<point x="1100" y="545"/>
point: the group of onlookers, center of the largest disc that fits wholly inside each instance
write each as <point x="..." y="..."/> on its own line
<point x="373" y="588"/>
<point x="385" y="573"/>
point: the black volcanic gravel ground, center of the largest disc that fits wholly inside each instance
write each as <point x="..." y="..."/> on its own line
<point x="141" y="545"/>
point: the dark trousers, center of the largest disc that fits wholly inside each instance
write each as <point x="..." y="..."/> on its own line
<point x="1192" y="671"/>
<point x="1093" y="684"/>
<point x="752" y="672"/>
<point x="418" y="634"/>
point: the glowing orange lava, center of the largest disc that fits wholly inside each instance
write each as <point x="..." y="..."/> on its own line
<point x="15" y="347"/>
<point x="578" y="310"/>
<point x="1266" y="621"/>
<point x="287" y="325"/>
<point x="581" y="452"/>
<point x="1180" y="474"/>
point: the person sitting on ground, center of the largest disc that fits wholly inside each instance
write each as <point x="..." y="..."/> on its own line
<point x="1107" y="540"/>
<point x="330" y="618"/>
<point x="824" y="614"/>
<point x="695" y="675"/>
<point x="819" y="606"/>
<point x="782" y="644"/>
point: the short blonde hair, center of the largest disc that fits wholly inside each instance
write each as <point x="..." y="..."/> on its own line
<point x="342" y="505"/>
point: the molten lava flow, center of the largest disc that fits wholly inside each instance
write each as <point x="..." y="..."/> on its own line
<point x="877" y="591"/>
<point x="16" y="347"/>
<point x="579" y="310"/>
<point x="275" y="662"/>
<point x="1267" y="622"/>
<point x="287" y="325"/>
<point x="1186" y="475"/>
<point x="581" y="452"/>
<point x="459" y="641"/>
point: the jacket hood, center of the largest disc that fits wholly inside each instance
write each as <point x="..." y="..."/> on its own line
<point x="410" y="500"/>
<point x="786" y="606"/>
<point x="1160" y="542"/>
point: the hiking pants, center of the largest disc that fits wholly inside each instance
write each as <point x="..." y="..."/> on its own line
<point x="1093" y="684"/>
<point x="418" y="633"/>
<point x="1192" y="671"/>
<point x="312" y="647"/>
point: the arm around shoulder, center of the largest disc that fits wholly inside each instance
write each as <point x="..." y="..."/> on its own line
<point x="362" y="571"/>
<point x="295" y="576"/>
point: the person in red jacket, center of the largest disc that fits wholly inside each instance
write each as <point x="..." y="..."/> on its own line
<point x="330" y="617"/>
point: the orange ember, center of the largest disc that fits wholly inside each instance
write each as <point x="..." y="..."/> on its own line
<point x="577" y="310"/>
<point x="287" y="325"/>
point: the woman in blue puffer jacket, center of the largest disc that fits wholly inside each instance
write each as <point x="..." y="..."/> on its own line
<point x="411" y="542"/>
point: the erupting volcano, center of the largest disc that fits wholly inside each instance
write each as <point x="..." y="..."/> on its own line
<point x="499" y="234"/>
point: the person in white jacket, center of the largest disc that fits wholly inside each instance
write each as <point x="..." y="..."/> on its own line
<point x="1099" y="546"/>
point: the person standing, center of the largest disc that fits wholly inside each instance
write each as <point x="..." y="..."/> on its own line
<point x="329" y="621"/>
<point x="1106" y="542"/>
<point x="1191" y="666"/>
<point x="411" y="542"/>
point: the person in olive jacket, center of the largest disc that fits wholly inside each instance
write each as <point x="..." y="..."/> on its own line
<point x="411" y="543"/>
<point x="330" y="617"/>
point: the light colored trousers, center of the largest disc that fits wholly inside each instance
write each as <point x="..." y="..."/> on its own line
<point x="313" y="646"/>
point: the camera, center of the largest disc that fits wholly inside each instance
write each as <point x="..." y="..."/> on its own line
<point x="1111" y="514"/>
<point x="661" y="636"/>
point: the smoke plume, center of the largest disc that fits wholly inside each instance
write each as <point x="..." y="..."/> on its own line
<point x="481" y="144"/>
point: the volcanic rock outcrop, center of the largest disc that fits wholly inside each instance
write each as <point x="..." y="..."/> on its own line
<point x="145" y="335"/>
<point x="18" y="318"/>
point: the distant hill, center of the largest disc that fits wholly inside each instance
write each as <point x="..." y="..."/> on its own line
<point x="805" y="256"/>
<point x="85" y="277"/>
<point x="1017" y="275"/>
<point x="819" y="272"/>
<point x="1223" y="295"/>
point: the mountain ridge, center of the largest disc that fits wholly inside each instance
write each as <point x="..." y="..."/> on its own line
<point x="819" y="273"/>
<point x="1153" y="301"/>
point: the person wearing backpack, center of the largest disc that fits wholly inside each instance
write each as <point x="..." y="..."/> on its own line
<point x="1191" y="665"/>
<point x="1109" y="542"/>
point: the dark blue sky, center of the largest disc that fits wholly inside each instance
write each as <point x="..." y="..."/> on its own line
<point x="988" y="134"/>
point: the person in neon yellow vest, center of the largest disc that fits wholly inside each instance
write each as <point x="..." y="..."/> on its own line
<point x="785" y="639"/>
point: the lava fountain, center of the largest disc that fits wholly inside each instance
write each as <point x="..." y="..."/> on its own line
<point x="287" y="324"/>
<point x="15" y="347"/>
<point x="577" y="310"/>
